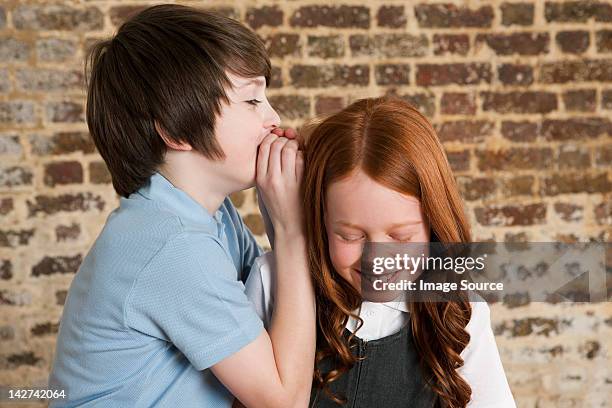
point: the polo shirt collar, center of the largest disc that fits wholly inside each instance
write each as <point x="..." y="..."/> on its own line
<point x="161" y="190"/>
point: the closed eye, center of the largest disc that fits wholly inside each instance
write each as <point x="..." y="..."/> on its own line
<point x="351" y="239"/>
<point x="254" y="102"/>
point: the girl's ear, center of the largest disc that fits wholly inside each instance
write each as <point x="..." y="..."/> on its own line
<point x="169" y="142"/>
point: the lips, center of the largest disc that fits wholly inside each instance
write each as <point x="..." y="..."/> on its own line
<point x="383" y="277"/>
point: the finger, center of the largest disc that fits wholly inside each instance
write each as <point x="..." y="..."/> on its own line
<point x="290" y="133"/>
<point x="278" y="131"/>
<point x="274" y="161"/>
<point x="299" y="165"/>
<point x="288" y="158"/>
<point x="263" y="154"/>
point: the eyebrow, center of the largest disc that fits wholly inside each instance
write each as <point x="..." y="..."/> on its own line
<point x="392" y="226"/>
<point x="255" y="81"/>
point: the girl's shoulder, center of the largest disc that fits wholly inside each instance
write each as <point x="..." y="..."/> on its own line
<point x="481" y="314"/>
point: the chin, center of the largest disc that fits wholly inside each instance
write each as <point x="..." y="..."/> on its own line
<point x="246" y="182"/>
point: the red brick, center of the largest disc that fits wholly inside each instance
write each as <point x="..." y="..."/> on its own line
<point x="446" y="74"/>
<point x="577" y="11"/>
<point x="281" y="45"/>
<point x="49" y="80"/>
<point x="574" y="157"/>
<point x="391" y="17"/>
<point x="67" y="232"/>
<point x="276" y="79"/>
<point x="389" y="45"/>
<point x="60" y="297"/>
<point x="583" y="100"/>
<point x="328" y="46"/>
<point x="15" y="238"/>
<point x="255" y="224"/>
<point x="328" y="104"/>
<point x="574" y="183"/>
<point x="446" y="15"/>
<point x="6" y="270"/>
<point x="291" y="106"/>
<point x="459" y="160"/>
<point x="467" y="131"/>
<point x="43" y="329"/>
<point x="62" y="143"/>
<point x="98" y="173"/>
<point x="575" y="128"/>
<point x="455" y="103"/>
<point x="55" y="49"/>
<point x="14" y="50"/>
<point x="77" y="202"/>
<point x="65" y="112"/>
<point x="68" y="172"/>
<point x="458" y="44"/>
<point x="425" y="103"/>
<point x="16" y="112"/>
<point x="520" y="131"/>
<point x="392" y="74"/>
<point x="517" y="186"/>
<point x="57" y="17"/>
<point x="603" y="40"/>
<point x="586" y="70"/>
<point x="476" y="188"/>
<point x="10" y="145"/>
<point x="57" y="265"/>
<point x="569" y="211"/>
<point x="271" y="16"/>
<point x="334" y="16"/>
<point x="519" y="102"/>
<point x="6" y="205"/>
<point x="511" y="215"/>
<point x="514" y="158"/>
<point x="573" y="42"/>
<point x="520" y="14"/>
<point x="14" y="176"/>
<point x="515" y="74"/>
<point x="320" y="76"/>
<point x="516" y="43"/>
<point x="603" y="157"/>
<point x="603" y="213"/>
<point x="238" y="198"/>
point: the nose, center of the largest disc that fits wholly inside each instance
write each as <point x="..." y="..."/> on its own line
<point x="272" y="120"/>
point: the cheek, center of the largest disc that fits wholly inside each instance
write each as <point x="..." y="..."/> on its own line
<point x="344" y="256"/>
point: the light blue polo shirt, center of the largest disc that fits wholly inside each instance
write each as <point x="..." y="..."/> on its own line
<point x="158" y="300"/>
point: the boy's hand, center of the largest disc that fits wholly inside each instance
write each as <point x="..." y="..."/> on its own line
<point x="289" y="133"/>
<point x="279" y="175"/>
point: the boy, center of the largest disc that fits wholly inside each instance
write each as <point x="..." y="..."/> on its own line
<point x="157" y="315"/>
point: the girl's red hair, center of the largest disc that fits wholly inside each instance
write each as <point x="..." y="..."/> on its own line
<point x="395" y="145"/>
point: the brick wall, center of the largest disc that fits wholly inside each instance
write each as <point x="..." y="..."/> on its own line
<point x="520" y="94"/>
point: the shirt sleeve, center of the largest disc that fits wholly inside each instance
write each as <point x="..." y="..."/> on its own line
<point x="189" y="294"/>
<point x="259" y="287"/>
<point x="482" y="367"/>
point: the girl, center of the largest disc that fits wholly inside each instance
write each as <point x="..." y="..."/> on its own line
<point x="377" y="172"/>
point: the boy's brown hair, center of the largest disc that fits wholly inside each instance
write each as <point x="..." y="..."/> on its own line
<point x="166" y="64"/>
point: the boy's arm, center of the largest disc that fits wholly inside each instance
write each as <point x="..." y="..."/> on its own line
<point x="276" y="369"/>
<point x="266" y="219"/>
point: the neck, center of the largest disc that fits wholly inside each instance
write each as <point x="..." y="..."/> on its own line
<point x="185" y="172"/>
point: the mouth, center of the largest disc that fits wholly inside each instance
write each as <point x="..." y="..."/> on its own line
<point x="385" y="277"/>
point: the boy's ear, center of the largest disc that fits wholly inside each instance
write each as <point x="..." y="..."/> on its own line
<point x="169" y="142"/>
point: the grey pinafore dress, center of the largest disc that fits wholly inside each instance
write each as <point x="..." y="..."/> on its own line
<point x="388" y="377"/>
